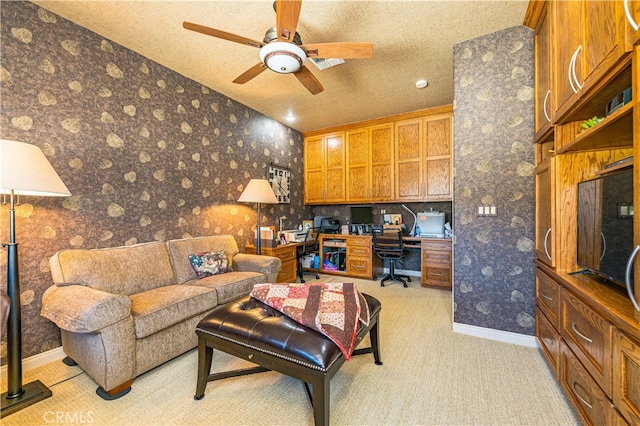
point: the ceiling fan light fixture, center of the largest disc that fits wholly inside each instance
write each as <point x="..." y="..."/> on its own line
<point x="282" y="57"/>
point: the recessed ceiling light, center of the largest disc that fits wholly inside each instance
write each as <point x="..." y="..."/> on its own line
<point x="290" y="118"/>
<point x="421" y="84"/>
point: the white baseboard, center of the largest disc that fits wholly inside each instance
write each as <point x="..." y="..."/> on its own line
<point x="37" y="361"/>
<point x="499" y="335"/>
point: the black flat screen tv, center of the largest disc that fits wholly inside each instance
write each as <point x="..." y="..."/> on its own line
<point x="605" y="225"/>
<point x="361" y="215"/>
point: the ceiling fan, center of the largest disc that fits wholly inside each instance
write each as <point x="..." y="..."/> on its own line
<point x="282" y="50"/>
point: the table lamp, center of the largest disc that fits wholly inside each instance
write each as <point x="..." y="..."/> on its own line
<point x="258" y="191"/>
<point x="24" y="170"/>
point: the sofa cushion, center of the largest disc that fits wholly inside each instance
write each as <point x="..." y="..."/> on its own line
<point x="209" y="263"/>
<point x="123" y="270"/>
<point x="231" y="285"/>
<point x="179" y="251"/>
<point x="159" y="308"/>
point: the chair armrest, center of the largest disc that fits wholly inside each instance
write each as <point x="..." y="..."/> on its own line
<point x="266" y="265"/>
<point x="81" y="309"/>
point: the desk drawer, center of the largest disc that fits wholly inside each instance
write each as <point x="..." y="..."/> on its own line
<point x="359" y="250"/>
<point x="436" y="257"/>
<point x="548" y="296"/>
<point x="436" y="245"/>
<point x="590" y="338"/>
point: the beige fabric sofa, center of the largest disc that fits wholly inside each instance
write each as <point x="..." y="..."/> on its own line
<point x="125" y="310"/>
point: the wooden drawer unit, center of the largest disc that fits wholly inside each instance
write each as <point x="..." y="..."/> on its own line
<point x="626" y="377"/>
<point x="589" y="400"/>
<point x="358" y="266"/>
<point x="590" y="337"/>
<point x="548" y="297"/>
<point x="436" y="263"/>
<point x="359" y="247"/>
<point x="549" y="340"/>
<point x="287" y="255"/>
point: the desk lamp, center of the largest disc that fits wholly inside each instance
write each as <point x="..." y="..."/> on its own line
<point x="24" y="170"/>
<point x="258" y="191"/>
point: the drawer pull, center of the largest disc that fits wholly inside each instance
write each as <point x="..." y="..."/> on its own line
<point x="545" y="296"/>
<point x="436" y="275"/>
<point x="573" y="327"/>
<point x="584" y="401"/>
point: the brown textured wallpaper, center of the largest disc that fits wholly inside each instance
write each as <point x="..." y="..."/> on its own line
<point x="493" y="161"/>
<point x="146" y="153"/>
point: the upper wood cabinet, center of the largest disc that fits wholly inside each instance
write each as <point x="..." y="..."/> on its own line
<point x="401" y="158"/>
<point x="423" y="159"/>
<point x="544" y="106"/>
<point x="589" y="38"/>
<point x="632" y="15"/>
<point x="324" y="165"/>
<point x="370" y="164"/>
<point x="545" y="203"/>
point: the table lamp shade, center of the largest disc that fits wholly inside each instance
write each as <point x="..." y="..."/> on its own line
<point x="258" y="191"/>
<point x="25" y="169"/>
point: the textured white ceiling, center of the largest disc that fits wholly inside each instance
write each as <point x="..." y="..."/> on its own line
<point x="412" y="40"/>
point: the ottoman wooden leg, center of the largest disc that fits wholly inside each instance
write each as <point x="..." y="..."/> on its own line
<point x="205" y="354"/>
<point x="375" y="343"/>
<point x="321" y="399"/>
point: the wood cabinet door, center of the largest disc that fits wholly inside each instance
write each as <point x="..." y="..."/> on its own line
<point x="544" y="203"/>
<point x="408" y="153"/>
<point x="334" y="147"/>
<point x="358" y="165"/>
<point x="604" y="40"/>
<point x="543" y="99"/>
<point x="632" y="16"/>
<point x="437" y="159"/>
<point x="626" y="377"/>
<point x="314" y="170"/>
<point x="568" y="36"/>
<point x="382" y="159"/>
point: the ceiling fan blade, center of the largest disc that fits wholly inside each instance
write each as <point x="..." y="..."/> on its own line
<point x="339" y="50"/>
<point x="221" y="34"/>
<point x="287" y="15"/>
<point x="250" y="73"/>
<point x="308" y="80"/>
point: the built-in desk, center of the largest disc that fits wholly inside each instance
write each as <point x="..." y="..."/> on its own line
<point x="352" y="255"/>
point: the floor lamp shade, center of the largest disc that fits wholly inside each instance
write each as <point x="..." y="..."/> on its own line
<point x="258" y="191"/>
<point x="24" y="170"/>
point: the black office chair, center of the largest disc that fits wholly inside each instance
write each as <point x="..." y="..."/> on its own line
<point x="310" y="246"/>
<point x="387" y="245"/>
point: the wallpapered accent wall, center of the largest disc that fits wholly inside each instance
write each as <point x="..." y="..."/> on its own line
<point x="493" y="160"/>
<point x="146" y="153"/>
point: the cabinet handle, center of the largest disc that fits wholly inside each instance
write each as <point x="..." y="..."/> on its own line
<point x="573" y="327"/>
<point x="584" y="401"/>
<point x="627" y="277"/>
<point x="544" y="106"/>
<point x="632" y="21"/>
<point x="435" y="275"/>
<point x="545" y="296"/>
<point x="573" y="69"/>
<point x="546" y="236"/>
<point x="604" y="245"/>
<point x="572" y="63"/>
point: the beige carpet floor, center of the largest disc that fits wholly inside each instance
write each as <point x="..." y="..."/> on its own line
<point x="430" y="376"/>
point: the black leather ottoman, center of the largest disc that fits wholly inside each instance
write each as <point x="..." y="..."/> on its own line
<point x="251" y="330"/>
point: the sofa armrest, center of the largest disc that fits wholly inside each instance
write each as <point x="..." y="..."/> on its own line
<point x="81" y="309"/>
<point x="266" y="265"/>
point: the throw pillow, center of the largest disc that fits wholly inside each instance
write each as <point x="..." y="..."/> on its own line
<point x="209" y="263"/>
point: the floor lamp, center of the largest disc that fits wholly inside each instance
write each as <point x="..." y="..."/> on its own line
<point x="24" y="170"/>
<point x="258" y="191"/>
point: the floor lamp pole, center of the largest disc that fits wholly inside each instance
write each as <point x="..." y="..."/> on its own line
<point x="258" y="232"/>
<point x="17" y="397"/>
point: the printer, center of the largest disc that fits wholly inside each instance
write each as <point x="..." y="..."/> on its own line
<point x="294" y="235"/>
<point x="431" y="224"/>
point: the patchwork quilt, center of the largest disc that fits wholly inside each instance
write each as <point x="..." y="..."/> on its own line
<point x="333" y="309"/>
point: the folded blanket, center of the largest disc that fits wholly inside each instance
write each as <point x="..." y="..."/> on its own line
<point x="333" y="309"/>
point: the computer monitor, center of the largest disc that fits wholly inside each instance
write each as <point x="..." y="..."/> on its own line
<point x="361" y="215"/>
